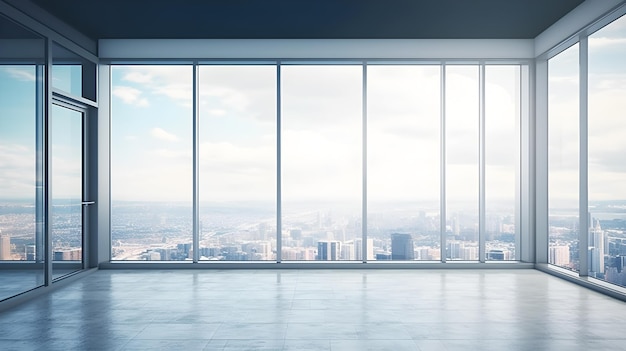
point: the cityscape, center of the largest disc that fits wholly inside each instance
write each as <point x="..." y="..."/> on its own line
<point x="607" y="241"/>
<point x="153" y="232"/>
<point x="163" y="232"/>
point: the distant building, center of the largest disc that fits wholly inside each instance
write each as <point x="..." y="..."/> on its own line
<point x="402" y="247"/>
<point x="496" y="255"/>
<point x="5" y="247"/>
<point x="328" y="250"/>
<point x="358" y="249"/>
<point x="68" y="254"/>
<point x="559" y="255"/>
<point x="596" y="248"/>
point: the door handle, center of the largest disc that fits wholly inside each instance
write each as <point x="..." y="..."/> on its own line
<point x="87" y="203"/>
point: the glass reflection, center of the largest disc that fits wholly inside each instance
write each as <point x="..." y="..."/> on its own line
<point x="21" y="205"/>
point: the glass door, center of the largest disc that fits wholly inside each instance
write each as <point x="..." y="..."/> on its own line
<point x="66" y="182"/>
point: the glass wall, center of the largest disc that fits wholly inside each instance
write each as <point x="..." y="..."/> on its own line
<point x="151" y="162"/>
<point x="607" y="147"/>
<point x="563" y="159"/>
<point x="21" y="173"/>
<point x="320" y="147"/>
<point x="502" y="150"/>
<point x="321" y="161"/>
<point x="403" y="162"/>
<point x="237" y="158"/>
<point x="462" y="163"/>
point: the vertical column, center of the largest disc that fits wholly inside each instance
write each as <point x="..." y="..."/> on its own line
<point x="521" y="185"/>
<point x="47" y="158"/>
<point x="481" y="164"/>
<point x="364" y="207"/>
<point x="279" y="216"/>
<point x="40" y="110"/>
<point x="442" y="166"/>
<point x="103" y="232"/>
<point x="195" y="160"/>
<point x="540" y="131"/>
<point x="583" y="194"/>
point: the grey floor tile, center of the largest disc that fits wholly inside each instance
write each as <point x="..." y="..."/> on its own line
<point x="443" y="310"/>
<point x="373" y="345"/>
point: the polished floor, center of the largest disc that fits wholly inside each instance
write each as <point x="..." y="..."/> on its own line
<point x="317" y="310"/>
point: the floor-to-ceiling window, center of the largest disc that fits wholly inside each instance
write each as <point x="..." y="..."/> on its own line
<point x="403" y="162"/>
<point x="563" y="159"/>
<point x="280" y="151"/>
<point x="21" y="155"/>
<point x="606" y="153"/>
<point x="502" y="160"/>
<point x="462" y="161"/>
<point x="151" y="162"/>
<point x="237" y="162"/>
<point x="321" y="155"/>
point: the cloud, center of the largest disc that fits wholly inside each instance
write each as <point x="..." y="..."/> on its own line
<point x="17" y="171"/>
<point x="137" y="77"/>
<point x="601" y="42"/>
<point x="130" y="96"/>
<point x="163" y="135"/>
<point x="181" y="93"/>
<point x="24" y="74"/>
<point x="174" y="81"/>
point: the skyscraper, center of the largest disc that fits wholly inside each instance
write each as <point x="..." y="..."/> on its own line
<point x="596" y="248"/>
<point x="402" y="247"/>
<point x="328" y="250"/>
<point x="5" y="247"/>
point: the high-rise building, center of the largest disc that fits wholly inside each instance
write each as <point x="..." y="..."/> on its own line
<point x="5" y="247"/>
<point x="559" y="255"/>
<point x="328" y="250"/>
<point x="402" y="247"/>
<point x="358" y="249"/>
<point x="596" y="248"/>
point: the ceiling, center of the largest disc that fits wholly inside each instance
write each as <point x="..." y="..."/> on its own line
<point x="310" y="19"/>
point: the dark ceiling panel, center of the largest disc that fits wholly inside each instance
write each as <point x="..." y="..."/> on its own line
<point x="323" y="19"/>
<point x="11" y="30"/>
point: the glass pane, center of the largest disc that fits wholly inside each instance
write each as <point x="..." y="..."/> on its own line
<point x="563" y="151"/>
<point x="151" y="162"/>
<point x="66" y="147"/>
<point x="321" y="162"/>
<point x="237" y="141"/>
<point x="67" y="71"/>
<point x="607" y="147"/>
<point x="403" y="166"/>
<point x="462" y="126"/>
<point x="502" y="111"/>
<point x="21" y="200"/>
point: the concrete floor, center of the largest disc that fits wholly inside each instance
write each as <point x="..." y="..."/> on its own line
<point x="317" y="310"/>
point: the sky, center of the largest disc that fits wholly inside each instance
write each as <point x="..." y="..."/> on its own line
<point x="322" y="131"/>
<point x="321" y="109"/>
<point x="607" y="125"/>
